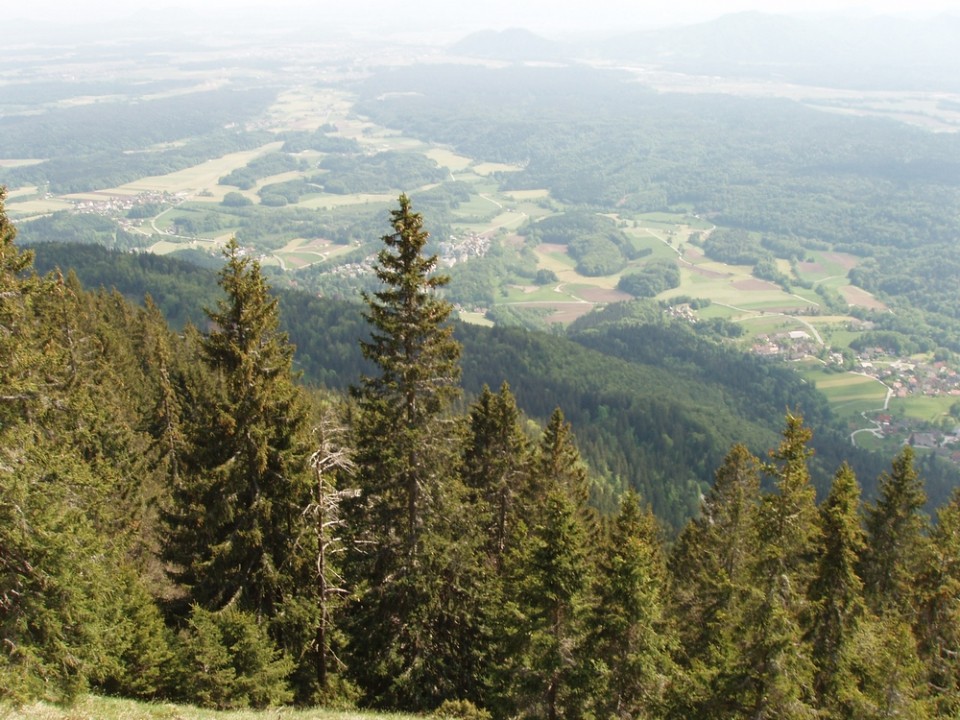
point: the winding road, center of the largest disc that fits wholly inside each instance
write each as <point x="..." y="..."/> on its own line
<point x="878" y="430"/>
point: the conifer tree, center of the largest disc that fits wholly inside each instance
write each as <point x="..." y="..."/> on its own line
<point x="558" y="464"/>
<point x="937" y="621"/>
<point x="68" y="460"/>
<point x="418" y="362"/>
<point x="838" y="608"/>
<point x="547" y="581"/>
<point x="237" y="508"/>
<point x="496" y="466"/>
<point x="416" y="627"/>
<point x="19" y="357"/>
<point x="709" y="569"/>
<point x="545" y="674"/>
<point x="896" y="532"/>
<point x="774" y="671"/>
<point x="628" y="638"/>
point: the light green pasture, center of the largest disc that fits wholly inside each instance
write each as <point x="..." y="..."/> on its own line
<point x="924" y="407"/>
<point x="37" y="207"/>
<point x="199" y="177"/>
<point x="756" y="325"/>
<point x="325" y="201"/>
<point x="520" y="195"/>
<point x="534" y="293"/>
<point x="555" y="260"/>
<point x="849" y="394"/>
<point x="307" y="108"/>
<point x="165" y="247"/>
<point x="717" y="311"/>
<point x="475" y="318"/>
<point x="480" y="207"/>
<point x="19" y="162"/>
<point x="25" y="191"/>
<point x="449" y="159"/>
<point x="488" y="168"/>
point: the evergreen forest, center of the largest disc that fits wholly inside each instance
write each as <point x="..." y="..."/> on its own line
<point x="183" y="517"/>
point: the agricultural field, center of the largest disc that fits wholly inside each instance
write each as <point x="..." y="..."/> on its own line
<point x="196" y="179"/>
<point x="850" y="393"/>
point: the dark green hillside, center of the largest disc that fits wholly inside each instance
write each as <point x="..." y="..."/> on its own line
<point x="654" y="405"/>
<point x="183" y="521"/>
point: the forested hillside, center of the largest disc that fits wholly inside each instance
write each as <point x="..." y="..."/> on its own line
<point x="655" y="403"/>
<point x="180" y="518"/>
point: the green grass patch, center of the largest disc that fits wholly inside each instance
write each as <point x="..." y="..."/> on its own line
<point x="842" y="338"/>
<point x="835" y="283"/>
<point x="202" y="176"/>
<point x="923" y="407"/>
<point x="449" y="159"/>
<point x="809" y="295"/>
<point x="849" y="394"/>
<point x="480" y="208"/>
<point x="519" y="195"/>
<point x="763" y="324"/>
<point x="488" y="168"/>
<point x="530" y="294"/>
<point x="326" y="201"/>
<point x="663" y="218"/>
<point x="91" y="707"/>
<point x="869" y="441"/>
<point x="475" y="318"/>
<point x="716" y="311"/>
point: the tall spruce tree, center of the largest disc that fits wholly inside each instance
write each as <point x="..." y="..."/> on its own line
<point x="938" y="617"/>
<point x="629" y="639"/>
<point x="774" y="672"/>
<point x="545" y="675"/>
<point x="236" y="513"/>
<point x="838" y="608"/>
<point x="547" y="582"/>
<point x="709" y="569"/>
<point x="418" y="361"/>
<point x="417" y="624"/>
<point x="496" y="467"/>
<point x="896" y="531"/>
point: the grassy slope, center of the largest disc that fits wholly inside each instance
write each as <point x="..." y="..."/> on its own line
<point x="91" y="707"/>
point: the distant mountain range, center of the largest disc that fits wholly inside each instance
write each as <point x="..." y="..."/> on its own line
<point x="866" y="53"/>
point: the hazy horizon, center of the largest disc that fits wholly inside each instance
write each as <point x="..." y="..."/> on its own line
<point x="434" y="16"/>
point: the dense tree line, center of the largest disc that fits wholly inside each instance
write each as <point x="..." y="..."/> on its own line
<point x="594" y="241"/>
<point x="109" y="166"/>
<point x="272" y="163"/>
<point x="174" y="507"/>
<point x="83" y="129"/>
<point x="655" y="402"/>
<point x="381" y="172"/>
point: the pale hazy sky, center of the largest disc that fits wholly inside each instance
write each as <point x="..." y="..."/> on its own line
<point x="540" y="15"/>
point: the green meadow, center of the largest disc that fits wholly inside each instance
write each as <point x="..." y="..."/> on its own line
<point x="91" y="707"/>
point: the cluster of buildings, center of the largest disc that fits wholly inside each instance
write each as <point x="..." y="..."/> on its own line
<point x="793" y="345"/>
<point x="114" y="205"/>
<point x="908" y="377"/>
<point x="942" y="442"/>
<point x="463" y="248"/>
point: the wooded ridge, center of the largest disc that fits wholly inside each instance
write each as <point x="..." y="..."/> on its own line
<point x="181" y="518"/>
